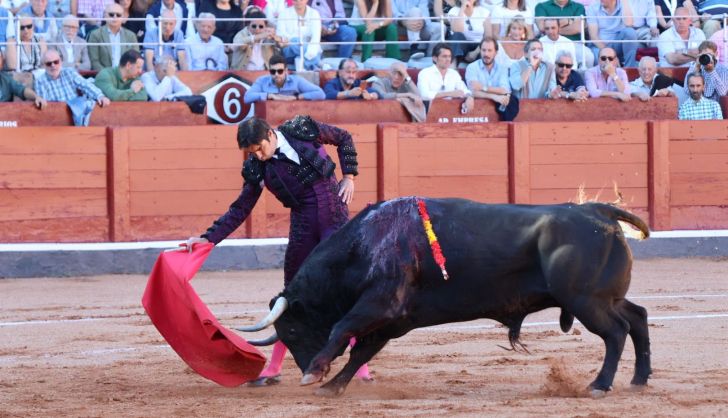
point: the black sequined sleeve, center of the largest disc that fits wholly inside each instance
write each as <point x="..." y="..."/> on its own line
<point x="344" y="146"/>
<point x="236" y="214"/>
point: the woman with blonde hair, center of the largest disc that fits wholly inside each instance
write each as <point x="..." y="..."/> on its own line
<point x="502" y="15"/>
<point x="511" y="47"/>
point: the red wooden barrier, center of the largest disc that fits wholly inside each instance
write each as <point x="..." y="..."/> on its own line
<point x="172" y="182"/>
<point x="117" y="114"/>
<point x="334" y="111"/>
<point x="54" y="185"/>
<point x="698" y="162"/>
<point x="546" y="110"/>
<point x="140" y="183"/>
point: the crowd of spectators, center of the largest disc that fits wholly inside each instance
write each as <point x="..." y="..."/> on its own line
<point x="510" y="50"/>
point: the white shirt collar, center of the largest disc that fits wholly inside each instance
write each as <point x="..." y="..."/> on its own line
<point x="286" y="149"/>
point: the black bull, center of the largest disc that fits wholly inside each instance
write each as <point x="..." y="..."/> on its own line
<point x="376" y="279"/>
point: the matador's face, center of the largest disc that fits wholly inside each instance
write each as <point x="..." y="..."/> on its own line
<point x="267" y="147"/>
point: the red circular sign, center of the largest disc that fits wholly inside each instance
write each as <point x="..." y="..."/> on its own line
<point x="229" y="103"/>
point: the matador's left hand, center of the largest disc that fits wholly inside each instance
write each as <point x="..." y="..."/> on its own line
<point x="346" y="189"/>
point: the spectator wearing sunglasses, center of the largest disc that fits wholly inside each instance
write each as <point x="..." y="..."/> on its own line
<point x="255" y="44"/>
<point x="607" y="79"/>
<point x="72" y="48"/>
<point x="569" y="84"/>
<point x="280" y="85"/>
<point x="112" y="40"/>
<point x="62" y="84"/>
<point x="44" y="24"/>
<point x="31" y="48"/>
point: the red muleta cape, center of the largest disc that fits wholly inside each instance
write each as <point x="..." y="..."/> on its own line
<point x="189" y="327"/>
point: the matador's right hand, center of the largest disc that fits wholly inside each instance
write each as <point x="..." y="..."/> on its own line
<point x="191" y="241"/>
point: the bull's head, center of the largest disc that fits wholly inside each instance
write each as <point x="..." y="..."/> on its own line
<point x="302" y="334"/>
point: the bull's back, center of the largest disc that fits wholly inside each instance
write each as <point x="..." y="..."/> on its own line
<point x="507" y="260"/>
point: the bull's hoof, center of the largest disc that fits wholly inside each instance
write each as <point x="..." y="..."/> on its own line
<point x="597" y="393"/>
<point x="310" y="379"/>
<point x="329" y="392"/>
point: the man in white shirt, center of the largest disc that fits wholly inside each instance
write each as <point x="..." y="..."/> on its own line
<point x="553" y="42"/>
<point x="678" y="46"/>
<point x="441" y="81"/>
<point x="162" y="83"/>
<point x="204" y="50"/>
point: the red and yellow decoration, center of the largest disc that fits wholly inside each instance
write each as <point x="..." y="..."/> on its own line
<point x="431" y="237"/>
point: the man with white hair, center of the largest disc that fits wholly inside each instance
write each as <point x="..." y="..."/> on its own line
<point x="71" y="47"/>
<point x="171" y="44"/>
<point x="569" y="83"/>
<point x="204" y="50"/>
<point x="162" y="83"/>
<point x="651" y="83"/>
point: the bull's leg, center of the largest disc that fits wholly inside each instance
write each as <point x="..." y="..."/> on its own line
<point x="360" y="354"/>
<point x="367" y="315"/>
<point x="638" y="331"/>
<point x="606" y="323"/>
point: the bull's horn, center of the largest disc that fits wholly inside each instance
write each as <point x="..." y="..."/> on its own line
<point x="278" y="309"/>
<point x="265" y="341"/>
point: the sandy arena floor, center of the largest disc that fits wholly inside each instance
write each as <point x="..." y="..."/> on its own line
<point x="84" y="347"/>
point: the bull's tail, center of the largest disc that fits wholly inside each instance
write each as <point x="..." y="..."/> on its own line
<point x="618" y="214"/>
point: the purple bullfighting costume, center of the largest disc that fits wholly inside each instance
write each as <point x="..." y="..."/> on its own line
<point x="309" y="189"/>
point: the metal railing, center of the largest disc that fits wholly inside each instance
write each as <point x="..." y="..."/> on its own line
<point x="582" y="42"/>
